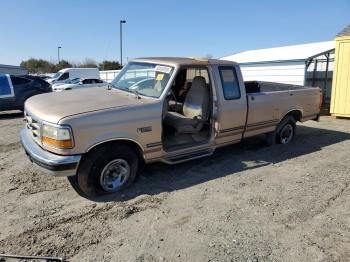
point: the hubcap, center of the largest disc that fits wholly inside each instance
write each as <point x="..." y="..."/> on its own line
<point x="286" y="134"/>
<point x="114" y="175"/>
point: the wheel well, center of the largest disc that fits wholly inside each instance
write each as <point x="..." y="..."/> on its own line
<point x="295" y="113"/>
<point x="133" y="145"/>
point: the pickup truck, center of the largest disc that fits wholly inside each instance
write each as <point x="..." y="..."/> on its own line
<point x="157" y="109"/>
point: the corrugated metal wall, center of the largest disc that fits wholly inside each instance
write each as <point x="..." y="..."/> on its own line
<point x="109" y="75"/>
<point x="340" y="102"/>
<point x="282" y="72"/>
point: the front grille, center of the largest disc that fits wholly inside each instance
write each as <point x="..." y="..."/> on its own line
<point x="33" y="125"/>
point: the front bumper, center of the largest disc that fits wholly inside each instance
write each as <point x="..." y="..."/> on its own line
<point x="53" y="164"/>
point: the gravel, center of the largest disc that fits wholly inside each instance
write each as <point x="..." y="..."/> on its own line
<point x="247" y="202"/>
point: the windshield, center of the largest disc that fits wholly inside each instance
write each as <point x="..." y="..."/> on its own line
<point x="143" y="78"/>
<point x="57" y="75"/>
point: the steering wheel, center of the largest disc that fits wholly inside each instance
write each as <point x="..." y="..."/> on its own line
<point x="174" y="96"/>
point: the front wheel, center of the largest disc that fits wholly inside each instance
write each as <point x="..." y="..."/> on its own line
<point x="107" y="169"/>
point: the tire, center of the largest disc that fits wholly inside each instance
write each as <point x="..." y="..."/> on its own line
<point x="285" y="131"/>
<point x="276" y="136"/>
<point x="106" y="170"/>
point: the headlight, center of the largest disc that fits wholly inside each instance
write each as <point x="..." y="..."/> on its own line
<point x="57" y="136"/>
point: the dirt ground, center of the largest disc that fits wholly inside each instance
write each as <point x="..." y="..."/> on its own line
<point x="248" y="202"/>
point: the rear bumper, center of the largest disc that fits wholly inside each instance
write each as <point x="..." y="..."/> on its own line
<point x="53" y="164"/>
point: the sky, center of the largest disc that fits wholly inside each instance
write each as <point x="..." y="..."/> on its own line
<point x="90" y="29"/>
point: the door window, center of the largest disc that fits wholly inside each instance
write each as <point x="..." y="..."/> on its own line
<point x="64" y="76"/>
<point x="229" y="82"/>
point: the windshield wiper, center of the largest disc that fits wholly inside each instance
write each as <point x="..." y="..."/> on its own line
<point x="137" y="94"/>
<point x="110" y="86"/>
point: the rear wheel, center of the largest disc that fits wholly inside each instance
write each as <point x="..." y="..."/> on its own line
<point x="284" y="132"/>
<point x="107" y="169"/>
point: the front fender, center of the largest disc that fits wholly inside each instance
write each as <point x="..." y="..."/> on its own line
<point x="113" y="136"/>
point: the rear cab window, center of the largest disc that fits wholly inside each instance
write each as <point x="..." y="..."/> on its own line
<point x="193" y="72"/>
<point x="229" y="82"/>
<point x="183" y="81"/>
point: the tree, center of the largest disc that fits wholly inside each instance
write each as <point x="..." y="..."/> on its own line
<point x="38" y="66"/>
<point x="109" y="65"/>
<point x="41" y="66"/>
<point x="63" y="64"/>
<point x="87" y="63"/>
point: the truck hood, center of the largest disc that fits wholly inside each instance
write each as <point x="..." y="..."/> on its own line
<point x="52" y="107"/>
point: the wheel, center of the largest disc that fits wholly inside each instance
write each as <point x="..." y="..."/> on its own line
<point x="107" y="169"/>
<point x="286" y="130"/>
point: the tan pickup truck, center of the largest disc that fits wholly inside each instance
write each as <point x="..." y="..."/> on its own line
<point x="157" y="109"/>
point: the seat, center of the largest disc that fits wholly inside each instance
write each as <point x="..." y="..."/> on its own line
<point x="195" y="109"/>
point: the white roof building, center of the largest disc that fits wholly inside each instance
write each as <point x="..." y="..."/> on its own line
<point x="286" y="64"/>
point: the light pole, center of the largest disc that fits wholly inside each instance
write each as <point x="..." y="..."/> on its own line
<point x="58" y="53"/>
<point x="121" y="22"/>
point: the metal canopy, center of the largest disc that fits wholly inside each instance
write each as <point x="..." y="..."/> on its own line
<point x="282" y="54"/>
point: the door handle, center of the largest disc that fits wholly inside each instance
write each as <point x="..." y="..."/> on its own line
<point x="291" y="94"/>
<point x="253" y="98"/>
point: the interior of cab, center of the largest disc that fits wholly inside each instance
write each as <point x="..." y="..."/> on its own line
<point x="187" y="110"/>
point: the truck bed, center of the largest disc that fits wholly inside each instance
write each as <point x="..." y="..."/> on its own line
<point x="261" y="86"/>
<point x="269" y="102"/>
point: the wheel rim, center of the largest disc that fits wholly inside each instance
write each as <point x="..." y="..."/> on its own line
<point x="286" y="134"/>
<point x="114" y="175"/>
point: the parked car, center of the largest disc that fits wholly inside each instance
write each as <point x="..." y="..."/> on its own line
<point x="79" y="83"/>
<point x="68" y="81"/>
<point x="44" y="77"/>
<point x="15" y="90"/>
<point x="190" y="108"/>
<point x="72" y="73"/>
